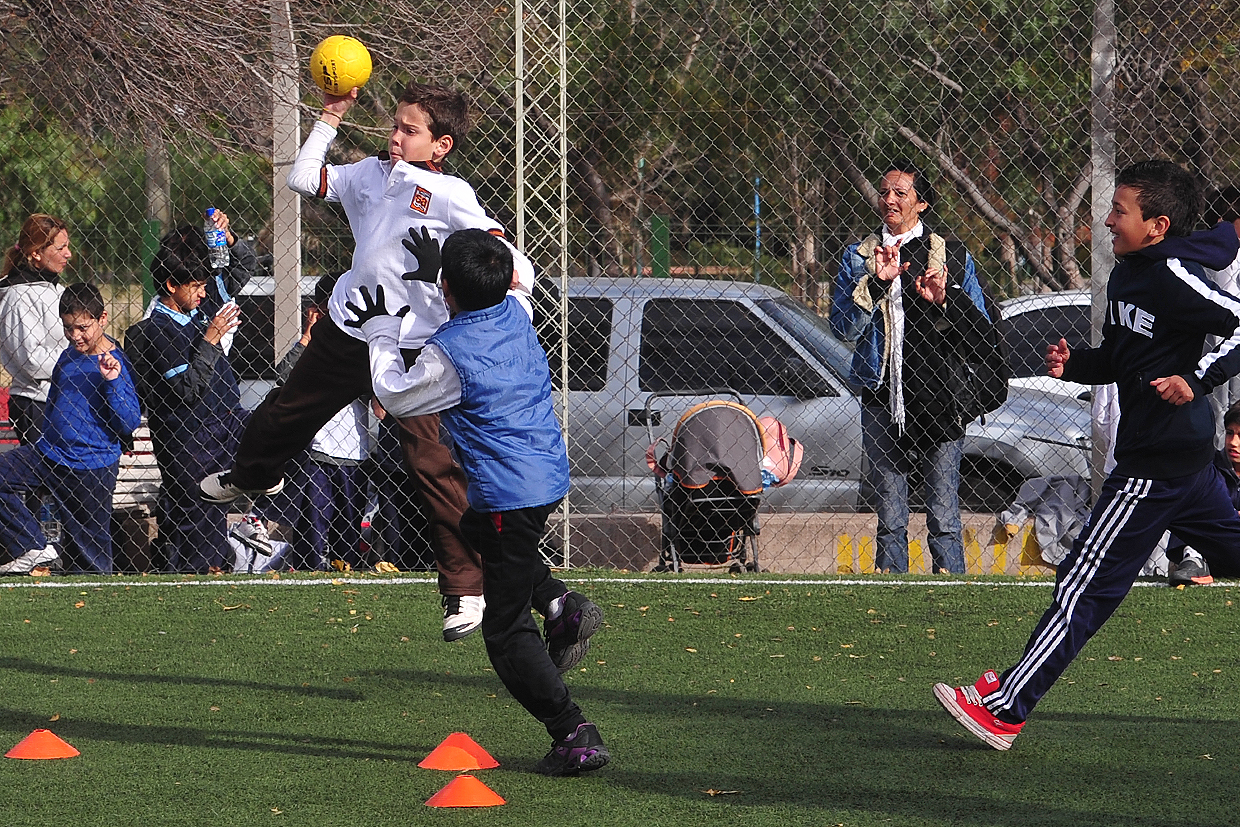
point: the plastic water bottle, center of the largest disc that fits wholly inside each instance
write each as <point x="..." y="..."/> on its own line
<point x="217" y="242"/>
<point x="49" y="519"/>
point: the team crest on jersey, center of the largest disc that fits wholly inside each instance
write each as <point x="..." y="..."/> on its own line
<point x="421" y="200"/>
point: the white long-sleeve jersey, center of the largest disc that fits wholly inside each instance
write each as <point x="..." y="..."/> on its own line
<point x="383" y="201"/>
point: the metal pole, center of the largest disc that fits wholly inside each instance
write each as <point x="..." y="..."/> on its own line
<point x="285" y="204"/>
<point x="1102" y="165"/>
<point x="757" y="231"/>
<point x="519" y="95"/>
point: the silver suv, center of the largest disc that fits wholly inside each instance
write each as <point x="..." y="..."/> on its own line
<point x="645" y="350"/>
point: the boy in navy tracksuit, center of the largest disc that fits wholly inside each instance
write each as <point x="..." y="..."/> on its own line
<point x="191" y="397"/>
<point x="485" y="372"/>
<point x="1160" y="307"/>
<point x="91" y="406"/>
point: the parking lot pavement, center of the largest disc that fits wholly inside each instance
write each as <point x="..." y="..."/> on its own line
<point x="800" y="543"/>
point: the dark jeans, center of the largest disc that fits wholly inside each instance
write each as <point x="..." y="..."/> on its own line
<point x="513" y="573"/>
<point x="334" y="370"/>
<point x="889" y="467"/>
<point x="83" y="499"/>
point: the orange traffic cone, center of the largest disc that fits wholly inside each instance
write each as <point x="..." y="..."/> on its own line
<point x="458" y="752"/>
<point x="465" y="791"/>
<point x="42" y="743"/>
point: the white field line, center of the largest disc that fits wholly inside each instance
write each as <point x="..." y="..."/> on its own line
<point x="285" y="580"/>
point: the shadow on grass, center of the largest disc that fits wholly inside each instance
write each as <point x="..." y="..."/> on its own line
<point x="80" y="729"/>
<point x="911" y="765"/>
<point x="37" y="668"/>
<point x="851" y="762"/>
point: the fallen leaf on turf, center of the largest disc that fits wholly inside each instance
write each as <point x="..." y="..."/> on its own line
<point x="79" y="604"/>
<point x="277" y="811"/>
<point x="721" y="792"/>
<point x="688" y="649"/>
<point x="55" y="717"/>
<point x="1207" y="757"/>
<point x="384" y="567"/>
<point x="41" y="571"/>
<point x="748" y="599"/>
<point x="230" y="608"/>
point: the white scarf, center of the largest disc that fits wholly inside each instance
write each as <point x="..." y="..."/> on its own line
<point x="896" y="331"/>
<point x="893" y="309"/>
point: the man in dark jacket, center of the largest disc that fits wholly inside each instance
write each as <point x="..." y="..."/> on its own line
<point x="912" y="304"/>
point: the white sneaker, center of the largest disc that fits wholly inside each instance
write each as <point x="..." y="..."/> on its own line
<point x="35" y="557"/>
<point x="462" y="615"/>
<point x="213" y="489"/>
<point x="251" y="533"/>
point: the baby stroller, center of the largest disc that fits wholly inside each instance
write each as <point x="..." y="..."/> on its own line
<point x="710" y="479"/>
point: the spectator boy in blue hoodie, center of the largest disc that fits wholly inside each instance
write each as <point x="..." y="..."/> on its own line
<point x="1160" y="307"/>
<point x="485" y="372"/>
<point x="91" y="406"/>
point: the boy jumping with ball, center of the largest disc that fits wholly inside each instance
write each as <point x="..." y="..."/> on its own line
<point x="400" y="205"/>
<point x="486" y="373"/>
<point x="1160" y="307"/>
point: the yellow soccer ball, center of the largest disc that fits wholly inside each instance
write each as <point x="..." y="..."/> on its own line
<point x="339" y="63"/>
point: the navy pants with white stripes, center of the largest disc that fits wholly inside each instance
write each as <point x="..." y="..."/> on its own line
<point x="1127" y="522"/>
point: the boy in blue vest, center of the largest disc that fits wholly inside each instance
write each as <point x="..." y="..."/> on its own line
<point x="91" y="406"/>
<point x="1160" y="306"/>
<point x="485" y="372"/>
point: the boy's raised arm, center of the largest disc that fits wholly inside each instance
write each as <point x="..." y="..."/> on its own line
<point x="308" y="174"/>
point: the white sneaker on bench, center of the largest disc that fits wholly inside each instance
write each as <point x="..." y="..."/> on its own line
<point x="28" y="561"/>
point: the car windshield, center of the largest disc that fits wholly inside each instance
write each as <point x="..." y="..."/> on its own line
<point x="811" y="330"/>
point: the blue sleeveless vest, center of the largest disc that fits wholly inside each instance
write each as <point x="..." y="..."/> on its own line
<point x="507" y="436"/>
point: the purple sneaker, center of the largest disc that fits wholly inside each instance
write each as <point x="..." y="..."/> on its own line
<point x="568" y="636"/>
<point x="580" y="752"/>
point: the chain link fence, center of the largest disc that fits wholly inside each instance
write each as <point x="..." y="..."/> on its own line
<point x="686" y="177"/>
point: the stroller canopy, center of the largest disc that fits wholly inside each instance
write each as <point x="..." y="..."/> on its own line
<point x="717" y="440"/>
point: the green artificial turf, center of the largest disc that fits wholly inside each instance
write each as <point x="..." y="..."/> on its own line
<point x="796" y="702"/>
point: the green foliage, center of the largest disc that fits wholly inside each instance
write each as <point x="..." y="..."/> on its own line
<point x="44" y="168"/>
<point x="97" y="188"/>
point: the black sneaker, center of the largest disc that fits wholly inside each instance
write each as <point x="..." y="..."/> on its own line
<point x="1188" y="573"/>
<point x="568" y="636"/>
<point x="580" y="752"/>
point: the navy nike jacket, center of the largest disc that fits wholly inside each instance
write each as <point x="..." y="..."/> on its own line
<point x="1160" y="307"/>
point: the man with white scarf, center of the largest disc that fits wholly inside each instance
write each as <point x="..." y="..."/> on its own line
<point x="911" y="302"/>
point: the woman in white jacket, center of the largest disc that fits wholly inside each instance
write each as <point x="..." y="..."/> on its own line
<point x="31" y="338"/>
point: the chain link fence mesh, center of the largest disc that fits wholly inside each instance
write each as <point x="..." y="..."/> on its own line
<point x="684" y="175"/>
